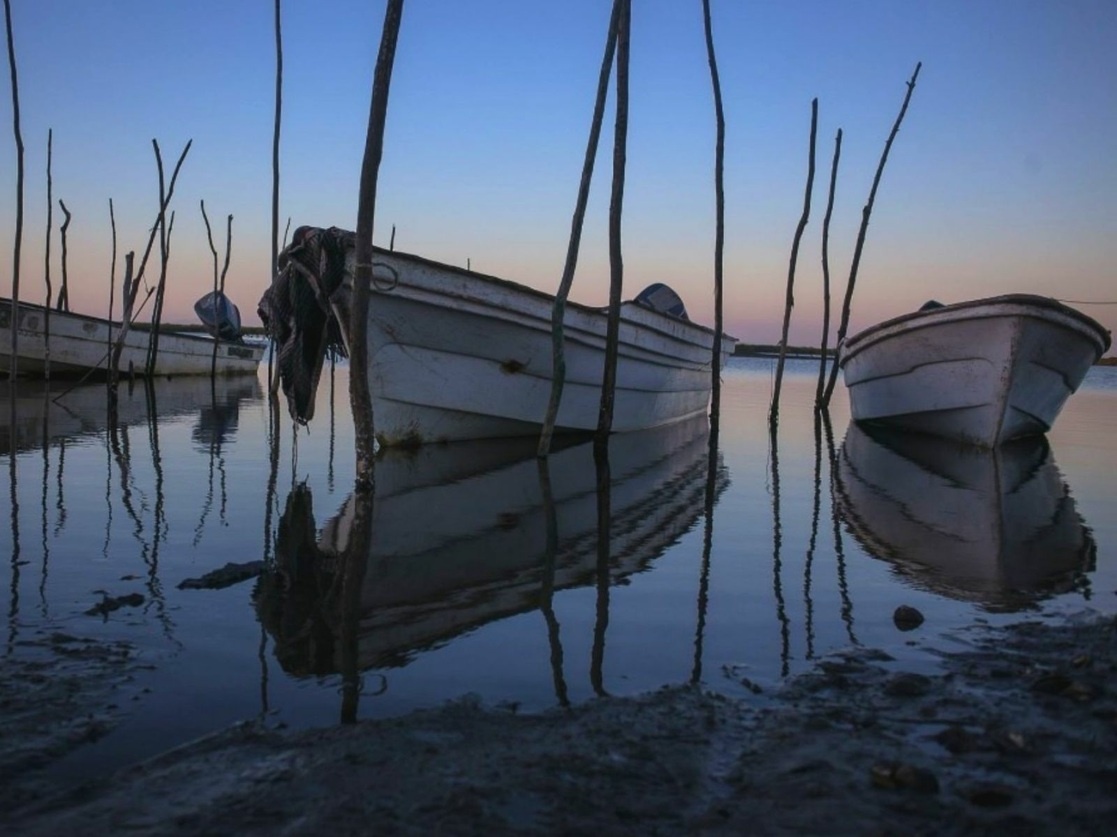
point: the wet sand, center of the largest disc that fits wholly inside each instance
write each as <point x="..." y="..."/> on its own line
<point x="1015" y="733"/>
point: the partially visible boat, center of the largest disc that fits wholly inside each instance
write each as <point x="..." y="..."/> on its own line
<point x="984" y="371"/>
<point x="998" y="527"/>
<point x="454" y="354"/>
<point x="79" y="345"/>
<point x="459" y="538"/>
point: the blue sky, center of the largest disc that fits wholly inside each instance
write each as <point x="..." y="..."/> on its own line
<point x="1002" y="179"/>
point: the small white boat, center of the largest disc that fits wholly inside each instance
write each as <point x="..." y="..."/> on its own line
<point x="998" y="527"/>
<point x="455" y="354"/>
<point x="983" y="372"/>
<point x="459" y="538"/>
<point x="79" y="344"/>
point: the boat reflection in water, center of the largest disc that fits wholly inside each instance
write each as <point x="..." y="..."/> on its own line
<point x="998" y="527"/>
<point x="468" y="533"/>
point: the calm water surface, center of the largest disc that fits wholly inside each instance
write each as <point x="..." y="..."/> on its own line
<point x="484" y="574"/>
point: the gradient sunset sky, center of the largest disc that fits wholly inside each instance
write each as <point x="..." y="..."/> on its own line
<point x="1003" y="178"/>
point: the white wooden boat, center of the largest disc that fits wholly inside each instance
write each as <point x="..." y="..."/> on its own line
<point x="984" y="371"/>
<point x="459" y="539"/>
<point x="79" y="344"/>
<point x="455" y="354"/>
<point x="995" y="526"/>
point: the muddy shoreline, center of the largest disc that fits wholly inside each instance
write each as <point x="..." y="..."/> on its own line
<point x="1016" y="733"/>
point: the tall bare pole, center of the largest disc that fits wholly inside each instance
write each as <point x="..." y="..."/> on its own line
<point x="273" y="376"/>
<point x="719" y="199"/>
<point x="616" y="260"/>
<point x="360" y="398"/>
<point x="112" y="275"/>
<point x="558" y="355"/>
<point x="17" y="245"/>
<point x="865" y="214"/>
<point x="64" y="288"/>
<point x="46" y="256"/>
<point x="826" y="269"/>
<point x="774" y="409"/>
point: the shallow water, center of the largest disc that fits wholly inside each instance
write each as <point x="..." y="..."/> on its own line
<point x="485" y="575"/>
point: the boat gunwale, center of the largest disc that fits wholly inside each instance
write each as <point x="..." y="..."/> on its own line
<point x="972" y="309"/>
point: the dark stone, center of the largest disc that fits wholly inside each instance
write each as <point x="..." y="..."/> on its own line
<point x="907" y="618"/>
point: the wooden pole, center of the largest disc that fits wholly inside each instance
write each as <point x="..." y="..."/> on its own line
<point x="17" y="244"/>
<point x="865" y="214"/>
<point x="558" y="356"/>
<point x="719" y="200"/>
<point x="112" y="275"/>
<point x="774" y="409"/>
<point x="360" y="397"/>
<point x="46" y="256"/>
<point x="273" y="372"/>
<point x="616" y="205"/>
<point x="826" y="270"/>
<point x="160" y="288"/>
<point x="64" y="288"/>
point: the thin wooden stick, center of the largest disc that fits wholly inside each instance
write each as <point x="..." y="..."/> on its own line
<point x="360" y="396"/>
<point x="719" y="199"/>
<point x="64" y="289"/>
<point x="112" y="274"/>
<point x="160" y="288"/>
<point x="17" y="244"/>
<point x="616" y="260"/>
<point x="865" y="213"/>
<point x="213" y="250"/>
<point x="774" y="409"/>
<point x="273" y="371"/>
<point x="826" y="270"/>
<point x="558" y="357"/>
<point x="46" y="256"/>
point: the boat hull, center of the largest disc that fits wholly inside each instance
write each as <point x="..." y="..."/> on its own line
<point x="456" y="355"/>
<point x="80" y="344"/>
<point x="983" y="372"/>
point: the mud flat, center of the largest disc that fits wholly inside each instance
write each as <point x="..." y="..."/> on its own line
<point x="1016" y="732"/>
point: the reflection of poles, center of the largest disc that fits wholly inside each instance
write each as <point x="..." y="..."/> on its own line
<point x="777" y="560"/>
<point x="815" y="511"/>
<point x="547" y="582"/>
<point x="604" y="516"/>
<point x="13" y="605"/>
<point x="333" y="433"/>
<point x="707" y="539"/>
<point x="43" y="501"/>
<point x="558" y="358"/>
<point x="154" y="584"/>
<point x="839" y="549"/>
<point x="60" y="501"/>
<point x="273" y="476"/>
<point x="353" y="568"/>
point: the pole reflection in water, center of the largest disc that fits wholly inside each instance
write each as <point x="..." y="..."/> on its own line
<point x="835" y="519"/>
<point x="547" y="582"/>
<point x="466" y="534"/>
<point x="713" y="472"/>
<point x="44" y="540"/>
<point x="603" y="487"/>
<point x="13" y="601"/>
<point x="996" y="527"/>
<point x="777" y="557"/>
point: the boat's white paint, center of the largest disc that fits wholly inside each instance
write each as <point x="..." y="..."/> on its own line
<point x="79" y="343"/>
<point x="457" y="355"/>
<point x="997" y="526"/>
<point x="480" y="549"/>
<point x="983" y="372"/>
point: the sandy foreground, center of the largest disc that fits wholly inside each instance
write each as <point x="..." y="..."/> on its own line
<point x="1016" y="734"/>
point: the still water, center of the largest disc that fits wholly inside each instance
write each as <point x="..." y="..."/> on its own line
<point x="484" y="574"/>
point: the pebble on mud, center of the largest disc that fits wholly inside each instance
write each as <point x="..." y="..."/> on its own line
<point x="907" y="618"/>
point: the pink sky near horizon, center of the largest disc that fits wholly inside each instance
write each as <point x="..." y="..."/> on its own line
<point x="1001" y="180"/>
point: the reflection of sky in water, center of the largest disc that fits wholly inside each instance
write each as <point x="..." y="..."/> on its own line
<point x="95" y="513"/>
